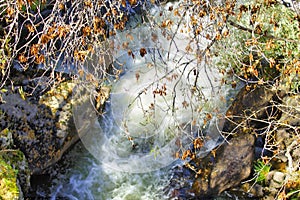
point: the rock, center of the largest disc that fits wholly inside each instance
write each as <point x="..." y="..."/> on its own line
<point x="277" y="180"/>
<point x="287" y="137"/>
<point x="234" y="163"/>
<point x="257" y="191"/>
<point x="259" y="103"/>
<point x="269" y="177"/>
<point x="42" y="130"/>
<point x="291" y="110"/>
<point x="15" y="171"/>
<point x="180" y="184"/>
<point x="61" y="134"/>
<point x="278" y="177"/>
<point x="269" y="197"/>
<point x="6" y="140"/>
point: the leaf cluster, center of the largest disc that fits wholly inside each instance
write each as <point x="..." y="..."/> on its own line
<point x="47" y="35"/>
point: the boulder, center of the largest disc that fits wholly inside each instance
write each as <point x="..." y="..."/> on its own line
<point x="234" y="163"/>
<point x="258" y="103"/>
<point x="43" y="131"/>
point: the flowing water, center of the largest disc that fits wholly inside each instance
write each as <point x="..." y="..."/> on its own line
<point x="88" y="179"/>
<point x="153" y="113"/>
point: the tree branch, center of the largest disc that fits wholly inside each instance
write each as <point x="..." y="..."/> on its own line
<point x="238" y="26"/>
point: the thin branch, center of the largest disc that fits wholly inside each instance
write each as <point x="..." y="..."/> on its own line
<point x="238" y="26"/>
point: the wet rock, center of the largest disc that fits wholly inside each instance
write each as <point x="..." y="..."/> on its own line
<point x="180" y="183"/>
<point x="234" y="163"/>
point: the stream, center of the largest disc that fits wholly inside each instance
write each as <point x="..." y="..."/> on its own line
<point x="152" y="114"/>
<point x="89" y="179"/>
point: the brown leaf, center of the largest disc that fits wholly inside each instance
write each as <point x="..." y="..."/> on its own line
<point x="30" y="28"/>
<point x="132" y="2"/>
<point x="34" y="49"/>
<point x="209" y="116"/>
<point x="143" y="52"/>
<point x="129" y="36"/>
<point x="137" y="76"/>
<point x="45" y="39"/>
<point x="22" y="58"/>
<point x="40" y="59"/>
<point x="185" y="104"/>
<point x="233" y="84"/>
<point x="130" y="53"/>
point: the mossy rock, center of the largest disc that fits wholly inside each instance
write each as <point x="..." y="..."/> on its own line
<point x="42" y="130"/>
<point x="8" y="181"/>
<point x="6" y="140"/>
<point x="13" y="170"/>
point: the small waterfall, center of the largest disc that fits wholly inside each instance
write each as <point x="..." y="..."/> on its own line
<point x="151" y="108"/>
<point x="158" y="104"/>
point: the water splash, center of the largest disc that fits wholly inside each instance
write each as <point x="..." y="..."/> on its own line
<point x="152" y="106"/>
<point x="118" y="169"/>
<point x="89" y="179"/>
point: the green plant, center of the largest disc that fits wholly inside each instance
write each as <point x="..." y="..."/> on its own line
<point x="261" y="170"/>
<point x="263" y="44"/>
<point x="35" y="5"/>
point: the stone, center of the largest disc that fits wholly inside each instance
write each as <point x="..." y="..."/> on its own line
<point x="61" y="134"/>
<point x="43" y="130"/>
<point x="275" y="179"/>
<point x="278" y="177"/>
<point x="269" y="176"/>
<point x="274" y="184"/>
<point x="6" y="140"/>
<point x="233" y="163"/>
<point x="291" y="110"/>
<point x="282" y="136"/>
<point x="261" y="101"/>
<point x="257" y="191"/>
<point x="269" y="197"/>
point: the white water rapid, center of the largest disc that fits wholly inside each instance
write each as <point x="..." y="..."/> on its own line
<point x="156" y="108"/>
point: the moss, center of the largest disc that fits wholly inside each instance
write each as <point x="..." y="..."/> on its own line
<point x="13" y="170"/>
<point x="8" y="181"/>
